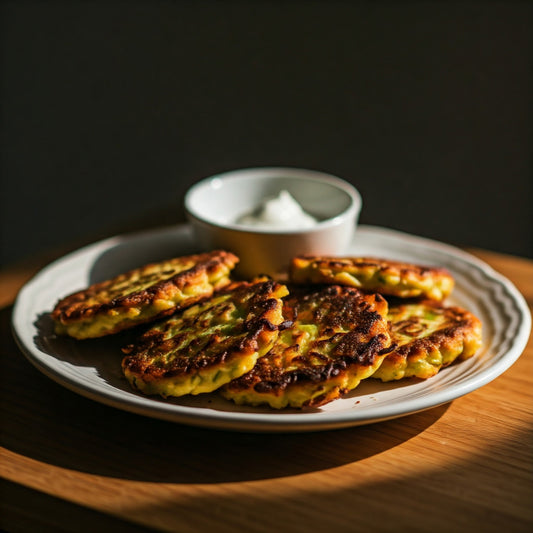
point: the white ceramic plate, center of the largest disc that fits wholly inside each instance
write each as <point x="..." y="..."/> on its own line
<point x="92" y="368"/>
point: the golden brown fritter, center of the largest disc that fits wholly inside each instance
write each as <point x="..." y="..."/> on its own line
<point x="208" y="344"/>
<point x="388" y="277"/>
<point x="429" y="336"/>
<point x="142" y="294"/>
<point x="335" y="337"/>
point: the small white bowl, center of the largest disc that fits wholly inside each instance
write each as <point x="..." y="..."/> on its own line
<point x="214" y="205"/>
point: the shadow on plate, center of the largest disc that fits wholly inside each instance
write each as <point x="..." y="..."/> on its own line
<point x="140" y="249"/>
<point x="49" y="423"/>
<point x="97" y="363"/>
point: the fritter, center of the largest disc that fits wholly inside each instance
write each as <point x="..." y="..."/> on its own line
<point x="208" y="344"/>
<point x="338" y="337"/>
<point x="394" y="278"/>
<point x="141" y="295"/>
<point x="429" y="336"/>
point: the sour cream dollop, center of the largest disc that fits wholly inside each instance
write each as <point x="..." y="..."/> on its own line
<point x="282" y="211"/>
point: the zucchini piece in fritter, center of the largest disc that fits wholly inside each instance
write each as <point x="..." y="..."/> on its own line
<point x="208" y="344"/>
<point x="141" y="295"/>
<point x="429" y="336"/>
<point x="338" y="337"/>
<point x="393" y="278"/>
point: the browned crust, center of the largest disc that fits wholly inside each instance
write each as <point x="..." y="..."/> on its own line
<point x="462" y="329"/>
<point x="74" y="307"/>
<point x="367" y="340"/>
<point x="319" y="269"/>
<point x="275" y="381"/>
<point x="264" y="318"/>
<point x="382" y="265"/>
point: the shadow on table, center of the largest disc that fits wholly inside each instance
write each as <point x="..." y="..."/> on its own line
<point x="460" y="494"/>
<point x="46" y="422"/>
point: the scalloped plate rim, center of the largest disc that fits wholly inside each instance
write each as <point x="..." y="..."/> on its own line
<point x="24" y="332"/>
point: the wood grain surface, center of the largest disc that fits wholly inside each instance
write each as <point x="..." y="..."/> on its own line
<point x="71" y="464"/>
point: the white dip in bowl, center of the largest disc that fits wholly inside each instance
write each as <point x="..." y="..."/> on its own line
<point x="268" y="215"/>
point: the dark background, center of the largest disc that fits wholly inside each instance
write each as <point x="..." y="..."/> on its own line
<point x="111" y="110"/>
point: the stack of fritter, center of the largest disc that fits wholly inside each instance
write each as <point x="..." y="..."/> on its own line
<point x="302" y="343"/>
<point x="426" y="334"/>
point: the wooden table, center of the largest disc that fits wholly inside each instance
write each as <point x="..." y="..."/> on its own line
<point x="70" y="464"/>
